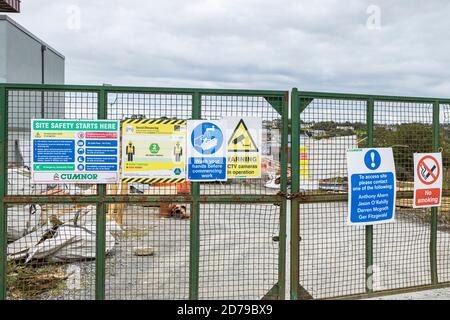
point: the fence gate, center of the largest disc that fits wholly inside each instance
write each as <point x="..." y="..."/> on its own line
<point x="231" y="247"/>
<point x="330" y="259"/>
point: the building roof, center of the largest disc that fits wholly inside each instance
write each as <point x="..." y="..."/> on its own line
<point x="9" y="5"/>
<point x="28" y="33"/>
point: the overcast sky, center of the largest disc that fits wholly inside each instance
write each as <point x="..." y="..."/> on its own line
<point x="389" y="47"/>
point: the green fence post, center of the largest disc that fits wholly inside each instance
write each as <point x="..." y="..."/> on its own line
<point x="101" y="217"/>
<point x="434" y="223"/>
<point x="194" y="252"/>
<point x="295" y="187"/>
<point x="3" y="191"/>
<point x="283" y="189"/>
<point x="369" y="229"/>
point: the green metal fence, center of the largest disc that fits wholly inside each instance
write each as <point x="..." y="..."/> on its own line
<point x="330" y="259"/>
<point x="234" y="243"/>
<point x="232" y="247"/>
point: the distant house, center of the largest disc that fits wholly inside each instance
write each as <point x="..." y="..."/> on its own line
<point x="345" y="128"/>
<point x="327" y="157"/>
<point x="318" y="133"/>
<point x="306" y="125"/>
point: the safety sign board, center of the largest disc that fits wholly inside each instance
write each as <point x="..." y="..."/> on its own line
<point x="206" y="150"/>
<point x="153" y="150"/>
<point x="74" y="151"/>
<point x="427" y="180"/>
<point x="304" y="163"/>
<point x="372" y="183"/>
<point x="244" y="137"/>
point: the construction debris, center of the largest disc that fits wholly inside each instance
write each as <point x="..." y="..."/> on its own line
<point x="67" y="237"/>
<point x="19" y="181"/>
<point x="143" y="251"/>
<point x="173" y="210"/>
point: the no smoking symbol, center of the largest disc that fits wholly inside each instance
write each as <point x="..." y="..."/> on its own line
<point x="428" y="170"/>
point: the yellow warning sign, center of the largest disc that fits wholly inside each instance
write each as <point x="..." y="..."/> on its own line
<point x="241" y="139"/>
<point x="244" y="147"/>
<point x="304" y="162"/>
<point x="153" y="149"/>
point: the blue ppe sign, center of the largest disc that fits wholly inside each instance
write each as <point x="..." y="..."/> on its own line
<point x="372" y="186"/>
<point x="207" y="151"/>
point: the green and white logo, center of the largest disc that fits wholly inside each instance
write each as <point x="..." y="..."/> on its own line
<point x="79" y="176"/>
<point x="154" y="148"/>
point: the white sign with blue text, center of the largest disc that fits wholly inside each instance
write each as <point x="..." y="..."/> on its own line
<point x="207" y="151"/>
<point x="372" y="183"/>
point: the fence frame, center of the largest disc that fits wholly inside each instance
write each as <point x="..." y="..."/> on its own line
<point x="102" y="199"/>
<point x="299" y="102"/>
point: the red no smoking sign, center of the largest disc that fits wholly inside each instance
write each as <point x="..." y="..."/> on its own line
<point x="428" y="169"/>
<point x="427" y="180"/>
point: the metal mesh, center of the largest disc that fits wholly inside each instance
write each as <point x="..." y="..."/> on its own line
<point x="444" y="211"/>
<point x="216" y="107"/>
<point x="443" y="238"/>
<point x="147" y="249"/>
<point x="123" y="106"/>
<point x="332" y="260"/>
<point x="328" y="128"/>
<point x="26" y="105"/>
<point x="151" y="258"/>
<point x="51" y="251"/>
<point x="238" y="250"/>
<point x="401" y="249"/>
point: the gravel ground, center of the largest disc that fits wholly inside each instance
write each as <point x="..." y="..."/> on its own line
<point x="238" y="257"/>
<point x="438" y="294"/>
<point x="333" y="254"/>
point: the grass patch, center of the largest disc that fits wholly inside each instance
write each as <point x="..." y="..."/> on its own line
<point x="32" y="281"/>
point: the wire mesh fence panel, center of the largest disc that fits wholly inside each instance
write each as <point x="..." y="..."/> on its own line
<point x="401" y="249"/>
<point x="217" y="107"/>
<point x="147" y="246"/>
<point x="238" y="250"/>
<point x="51" y="251"/>
<point x="332" y="260"/>
<point x="24" y="105"/>
<point x="444" y="210"/>
<point x="331" y="253"/>
<point x="146" y="106"/>
<point x="151" y="257"/>
<point x="328" y="128"/>
<point x="443" y="239"/>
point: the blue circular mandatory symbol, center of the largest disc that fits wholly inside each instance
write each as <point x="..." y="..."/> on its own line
<point x="80" y="143"/>
<point x="207" y="138"/>
<point x="80" y="159"/>
<point x="80" y="167"/>
<point x="372" y="159"/>
<point x="80" y="151"/>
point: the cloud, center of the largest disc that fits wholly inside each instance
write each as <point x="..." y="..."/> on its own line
<point x="313" y="45"/>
